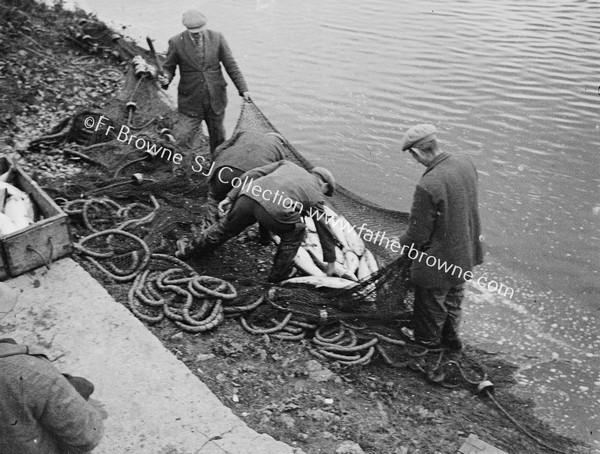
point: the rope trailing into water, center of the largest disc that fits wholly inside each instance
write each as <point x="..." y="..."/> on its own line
<point x="519" y="425"/>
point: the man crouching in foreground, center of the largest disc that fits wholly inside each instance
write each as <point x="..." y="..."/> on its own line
<point x="275" y="196"/>
<point x="41" y="410"/>
<point x="444" y="224"/>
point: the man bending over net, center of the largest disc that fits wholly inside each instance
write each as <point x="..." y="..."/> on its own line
<point x="275" y="196"/>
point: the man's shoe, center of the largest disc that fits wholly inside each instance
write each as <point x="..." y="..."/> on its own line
<point x="290" y="275"/>
<point x="263" y="241"/>
<point x="454" y="345"/>
<point x="422" y="348"/>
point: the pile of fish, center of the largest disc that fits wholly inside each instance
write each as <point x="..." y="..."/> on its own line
<point x="353" y="259"/>
<point x="16" y="207"/>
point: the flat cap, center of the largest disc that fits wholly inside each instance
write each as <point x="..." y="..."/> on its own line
<point x="326" y="176"/>
<point x="193" y="20"/>
<point x="418" y="134"/>
<point x="8" y="299"/>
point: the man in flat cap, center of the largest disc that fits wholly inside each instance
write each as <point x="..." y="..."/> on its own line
<point x="442" y="238"/>
<point x="276" y="196"/>
<point x="201" y="94"/>
<point x="41" y="410"/>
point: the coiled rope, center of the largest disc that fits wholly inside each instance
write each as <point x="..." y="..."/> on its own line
<point x="98" y="213"/>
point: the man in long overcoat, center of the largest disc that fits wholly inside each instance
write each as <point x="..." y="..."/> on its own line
<point x="442" y="238"/>
<point x="202" y="93"/>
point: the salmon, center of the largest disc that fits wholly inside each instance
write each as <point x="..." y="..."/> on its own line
<point x="321" y="281"/>
<point x="317" y="255"/>
<point x="304" y="262"/>
<point x="363" y="269"/>
<point x="11" y="189"/>
<point x="353" y="239"/>
<point x="352" y="261"/>
<point x="371" y="262"/>
<point x="312" y="240"/>
<point x="334" y="224"/>
<point x="6" y="225"/>
<point x="19" y="208"/>
<point x="310" y="224"/>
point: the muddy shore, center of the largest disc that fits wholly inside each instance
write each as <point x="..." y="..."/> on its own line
<point x="45" y="79"/>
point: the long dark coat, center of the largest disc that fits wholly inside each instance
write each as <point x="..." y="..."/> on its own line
<point x="197" y="69"/>
<point x="444" y="223"/>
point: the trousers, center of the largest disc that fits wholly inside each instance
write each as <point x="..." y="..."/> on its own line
<point x="437" y="314"/>
<point x="187" y="128"/>
<point x="218" y="187"/>
<point x="245" y="212"/>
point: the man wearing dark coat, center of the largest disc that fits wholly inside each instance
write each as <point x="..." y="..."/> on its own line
<point x="245" y="150"/>
<point x="442" y="238"/>
<point x="202" y="94"/>
<point x="276" y="196"/>
<point x="41" y="410"/>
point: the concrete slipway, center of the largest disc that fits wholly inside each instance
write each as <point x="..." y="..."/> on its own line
<point x="152" y="403"/>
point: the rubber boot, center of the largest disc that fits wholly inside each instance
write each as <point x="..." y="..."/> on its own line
<point x="450" y="337"/>
<point x="283" y="263"/>
<point x="264" y="236"/>
<point x="212" y="210"/>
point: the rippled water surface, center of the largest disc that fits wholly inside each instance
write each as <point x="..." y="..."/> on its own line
<point x="513" y="84"/>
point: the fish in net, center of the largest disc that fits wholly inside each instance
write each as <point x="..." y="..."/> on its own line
<point x="384" y="298"/>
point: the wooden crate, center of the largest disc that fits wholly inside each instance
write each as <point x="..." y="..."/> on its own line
<point x="39" y="243"/>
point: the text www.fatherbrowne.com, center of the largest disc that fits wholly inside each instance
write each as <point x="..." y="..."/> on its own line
<point x="394" y="245"/>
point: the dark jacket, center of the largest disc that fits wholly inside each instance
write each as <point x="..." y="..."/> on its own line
<point x="248" y="150"/>
<point x="40" y="411"/>
<point x="197" y="70"/>
<point x="444" y="222"/>
<point x="287" y="191"/>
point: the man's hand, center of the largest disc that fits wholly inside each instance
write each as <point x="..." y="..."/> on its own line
<point x="334" y="270"/>
<point x="163" y="81"/>
<point x="224" y="206"/>
<point x="246" y="96"/>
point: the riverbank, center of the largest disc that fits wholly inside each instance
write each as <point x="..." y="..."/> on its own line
<point x="267" y="383"/>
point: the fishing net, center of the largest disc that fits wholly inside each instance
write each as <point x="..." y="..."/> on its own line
<point x="126" y="150"/>
<point x="385" y="297"/>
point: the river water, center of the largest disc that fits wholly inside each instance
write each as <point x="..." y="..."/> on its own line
<point x="513" y="84"/>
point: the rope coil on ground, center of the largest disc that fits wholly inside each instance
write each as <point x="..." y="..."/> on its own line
<point x="162" y="290"/>
<point x="115" y="215"/>
<point x="113" y="251"/>
<point x="273" y="329"/>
